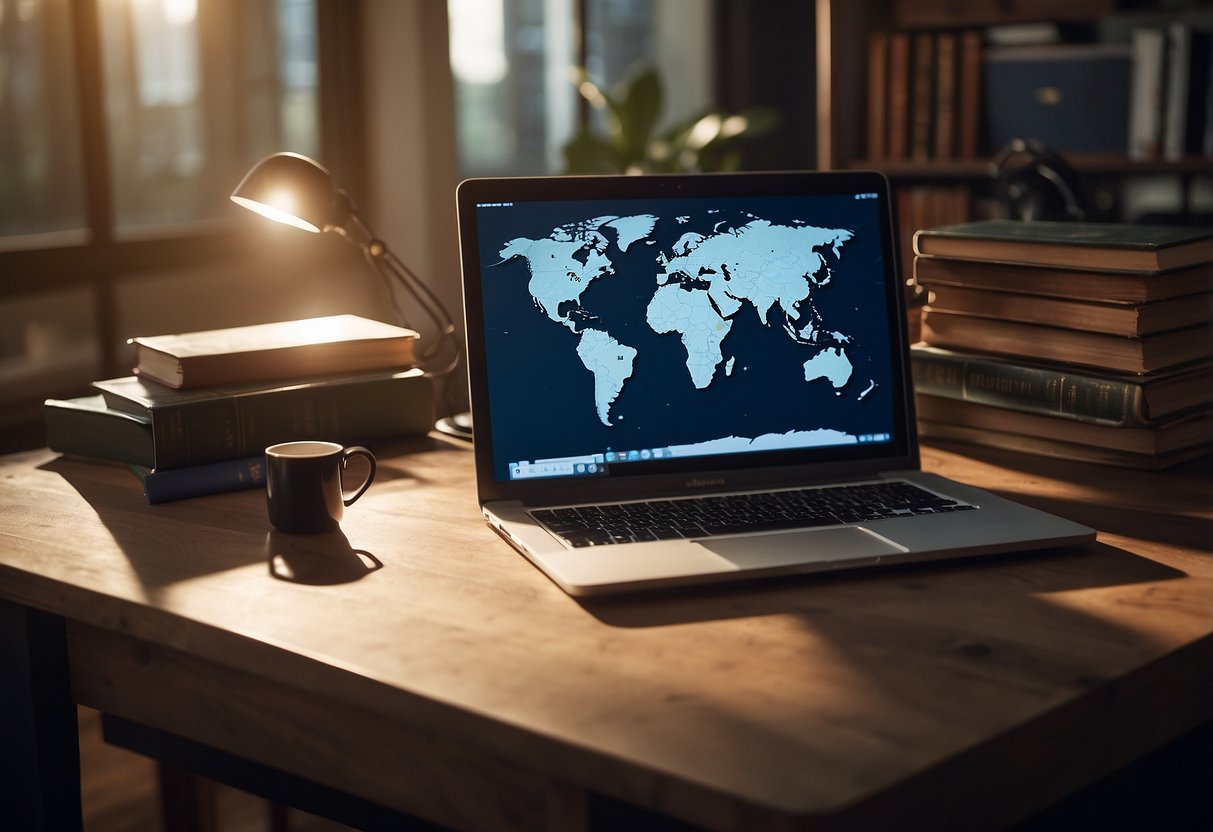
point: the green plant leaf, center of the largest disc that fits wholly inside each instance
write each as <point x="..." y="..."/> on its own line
<point x="705" y="142"/>
<point x="639" y="108"/>
<point x="586" y="153"/>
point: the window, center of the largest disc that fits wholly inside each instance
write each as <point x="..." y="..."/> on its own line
<point x="124" y="125"/>
<point x="513" y="61"/>
<point x="41" y="186"/>
<point x="196" y="92"/>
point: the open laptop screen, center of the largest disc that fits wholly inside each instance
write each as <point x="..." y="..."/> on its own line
<point x="682" y="327"/>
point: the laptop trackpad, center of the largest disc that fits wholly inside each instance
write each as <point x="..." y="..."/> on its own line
<point x="846" y="543"/>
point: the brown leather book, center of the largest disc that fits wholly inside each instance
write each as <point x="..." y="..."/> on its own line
<point x="897" y="145"/>
<point x="274" y="351"/>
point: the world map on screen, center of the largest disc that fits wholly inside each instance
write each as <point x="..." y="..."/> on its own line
<point x="698" y="289"/>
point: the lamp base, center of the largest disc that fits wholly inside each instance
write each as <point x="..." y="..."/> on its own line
<point x="458" y="425"/>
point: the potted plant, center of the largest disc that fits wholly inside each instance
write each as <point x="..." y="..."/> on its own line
<point x="629" y="141"/>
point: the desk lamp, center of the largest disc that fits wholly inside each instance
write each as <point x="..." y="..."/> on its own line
<point x="298" y="191"/>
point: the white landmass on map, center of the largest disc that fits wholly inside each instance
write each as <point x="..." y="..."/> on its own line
<point x="703" y="283"/>
<point x="766" y="442"/>
<point x="611" y="363"/>
<point x="831" y="364"/>
<point x="632" y="229"/>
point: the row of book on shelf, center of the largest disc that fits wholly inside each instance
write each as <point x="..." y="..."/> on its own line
<point x="924" y="95"/>
<point x="1083" y="341"/>
<point x="943" y="95"/>
<point x="201" y="407"/>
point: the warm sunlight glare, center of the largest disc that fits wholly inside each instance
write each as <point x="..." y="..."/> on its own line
<point x="478" y="41"/>
<point x="179" y="12"/>
<point x="27" y="10"/>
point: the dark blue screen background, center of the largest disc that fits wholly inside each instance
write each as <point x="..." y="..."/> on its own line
<point x="541" y="395"/>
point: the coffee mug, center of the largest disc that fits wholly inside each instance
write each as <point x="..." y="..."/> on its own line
<point x="303" y="484"/>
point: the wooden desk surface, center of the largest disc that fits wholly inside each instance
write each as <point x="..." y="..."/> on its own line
<point x="956" y="693"/>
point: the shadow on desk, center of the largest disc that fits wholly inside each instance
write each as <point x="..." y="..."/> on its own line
<point x="317" y="559"/>
<point x="1121" y="501"/>
<point x="145" y="532"/>
<point x="992" y="627"/>
<point x="1009" y="581"/>
<point x="236" y="536"/>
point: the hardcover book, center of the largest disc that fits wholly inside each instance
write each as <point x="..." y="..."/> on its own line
<point x="945" y="95"/>
<point x="1131" y="319"/>
<point x="1077" y="284"/>
<point x="1171" y="436"/>
<point x="1073" y="98"/>
<point x="968" y="104"/>
<point x="1107" y="246"/>
<point x="1147" y="95"/>
<point x="897" y="145"/>
<point x="1146" y="354"/>
<point x="878" y="76"/>
<point x="922" y="107"/>
<point x="192" y="427"/>
<point x="1055" y="448"/>
<point x="1057" y="390"/>
<point x="201" y="480"/>
<point x="85" y="426"/>
<point x="1185" y="117"/>
<point x="274" y="351"/>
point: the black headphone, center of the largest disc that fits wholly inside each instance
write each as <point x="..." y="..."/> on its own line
<point x="1036" y="183"/>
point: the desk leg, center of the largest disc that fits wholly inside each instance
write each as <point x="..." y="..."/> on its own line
<point x="40" y="762"/>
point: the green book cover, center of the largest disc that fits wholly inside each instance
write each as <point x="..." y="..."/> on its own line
<point x="85" y="426"/>
<point x="192" y="427"/>
<point x="1100" y="234"/>
<point x="1083" y="245"/>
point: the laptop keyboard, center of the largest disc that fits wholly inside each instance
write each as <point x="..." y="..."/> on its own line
<point x="689" y="517"/>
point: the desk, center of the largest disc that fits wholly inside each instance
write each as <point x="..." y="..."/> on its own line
<point x="456" y="683"/>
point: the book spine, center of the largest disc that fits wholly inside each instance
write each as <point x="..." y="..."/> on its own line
<point x="945" y="96"/>
<point x="1175" y="118"/>
<point x="968" y="106"/>
<point x="200" y="480"/>
<point x="922" y="96"/>
<point x="1200" y="92"/>
<point x="897" y="142"/>
<point x="1025" y="389"/>
<point x="878" y="80"/>
<point x="233" y="427"/>
<point x="1147" y="93"/>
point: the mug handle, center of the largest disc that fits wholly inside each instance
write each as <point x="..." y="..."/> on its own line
<point x="352" y="451"/>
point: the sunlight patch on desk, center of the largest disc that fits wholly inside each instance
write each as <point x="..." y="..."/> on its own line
<point x="1160" y="616"/>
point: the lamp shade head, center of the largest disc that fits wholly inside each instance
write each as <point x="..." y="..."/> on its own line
<point x="292" y="189"/>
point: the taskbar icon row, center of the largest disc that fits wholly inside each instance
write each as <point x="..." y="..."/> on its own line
<point x="590" y="465"/>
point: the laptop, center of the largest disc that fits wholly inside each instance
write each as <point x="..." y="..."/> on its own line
<point x="687" y="379"/>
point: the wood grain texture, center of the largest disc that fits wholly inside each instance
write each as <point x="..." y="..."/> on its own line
<point x="962" y="693"/>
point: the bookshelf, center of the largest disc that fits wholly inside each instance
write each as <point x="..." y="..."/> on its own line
<point x="847" y="106"/>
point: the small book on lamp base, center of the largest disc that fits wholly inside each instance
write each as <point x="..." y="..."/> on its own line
<point x="274" y="351"/>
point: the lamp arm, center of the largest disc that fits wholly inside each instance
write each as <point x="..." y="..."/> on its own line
<point x="394" y="271"/>
<point x="347" y="223"/>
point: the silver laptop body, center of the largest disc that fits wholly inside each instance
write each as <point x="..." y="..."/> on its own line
<point x="642" y="344"/>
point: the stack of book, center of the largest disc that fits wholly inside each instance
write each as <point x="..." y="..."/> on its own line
<point x="201" y="407"/>
<point x="1090" y="341"/>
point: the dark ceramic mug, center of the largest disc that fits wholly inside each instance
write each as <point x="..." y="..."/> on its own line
<point x="303" y="484"/>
